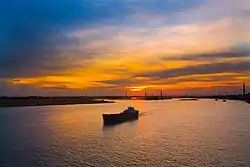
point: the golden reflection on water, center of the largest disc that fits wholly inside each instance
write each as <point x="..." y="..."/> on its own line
<point x="176" y="116"/>
<point x="180" y="132"/>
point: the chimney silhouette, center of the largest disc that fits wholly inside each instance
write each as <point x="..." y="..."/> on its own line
<point x="244" y="89"/>
<point x="161" y="95"/>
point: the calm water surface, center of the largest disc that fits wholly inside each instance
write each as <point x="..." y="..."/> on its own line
<point x="168" y="133"/>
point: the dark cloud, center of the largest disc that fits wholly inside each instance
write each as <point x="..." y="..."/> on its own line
<point x="32" y="32"/>
<point x="239" y="52"/>
<point x="204" y="78"/>
<point x="212" y="68"/>
<point x="162" y="81"/>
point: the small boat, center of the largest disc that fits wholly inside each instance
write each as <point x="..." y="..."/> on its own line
<point x="128" y="114"/>
<point x="216" y="99"/>
<point x="224" y="100"/>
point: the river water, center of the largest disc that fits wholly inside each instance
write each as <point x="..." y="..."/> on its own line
<point x="168" y="133"/>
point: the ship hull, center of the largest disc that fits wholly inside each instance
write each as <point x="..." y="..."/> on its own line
<point x="111" y="119"/>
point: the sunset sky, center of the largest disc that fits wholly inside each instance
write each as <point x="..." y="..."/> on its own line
<point x="109" y="47"/>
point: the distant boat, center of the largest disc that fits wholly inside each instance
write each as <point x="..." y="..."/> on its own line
<point x="128" y="114"/>
<point x="216" y="99"/>
<point x="224" y="100"/>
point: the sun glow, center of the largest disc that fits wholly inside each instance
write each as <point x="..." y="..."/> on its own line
<point x="138" y="88"/>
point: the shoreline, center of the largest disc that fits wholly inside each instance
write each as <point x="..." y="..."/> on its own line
<point x="7" y="102"/>
<point x="245" y="98"/>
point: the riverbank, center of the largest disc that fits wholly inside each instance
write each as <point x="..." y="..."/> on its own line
<point x="245" y="98"/>
<point x="45" y="101"/>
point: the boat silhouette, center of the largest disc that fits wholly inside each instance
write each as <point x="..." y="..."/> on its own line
<point x="128" y="114"/>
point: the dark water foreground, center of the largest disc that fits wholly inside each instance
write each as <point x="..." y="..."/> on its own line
<point x="168" y="133"/>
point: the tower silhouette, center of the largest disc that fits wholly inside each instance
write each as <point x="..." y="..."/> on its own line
<point x="243" y="89"/>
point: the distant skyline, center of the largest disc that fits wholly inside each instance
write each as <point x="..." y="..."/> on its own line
<point x="109" y="47"/>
